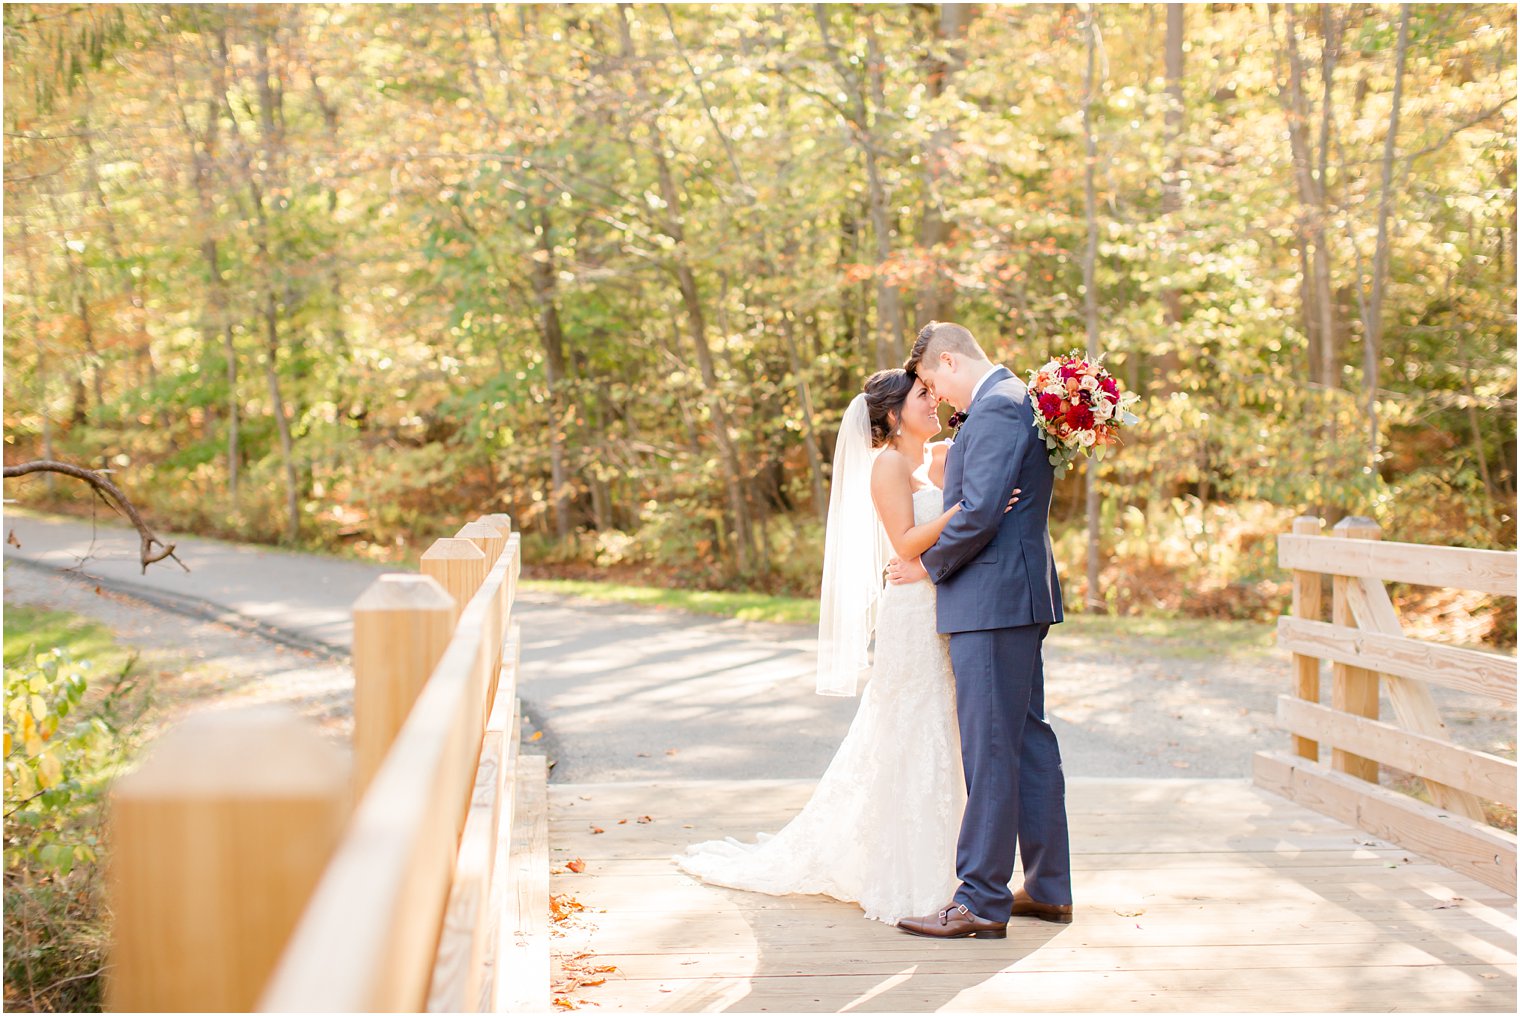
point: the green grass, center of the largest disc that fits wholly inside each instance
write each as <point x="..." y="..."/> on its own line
<point x="32" y="630"/>
<point x="1187" y="638"/>
<point x="744" y="606"/>
<point x="1179" y="637"/>
<point x="56" y="926"/>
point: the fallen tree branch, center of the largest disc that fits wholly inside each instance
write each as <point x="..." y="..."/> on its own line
<point x="104" y="487"/>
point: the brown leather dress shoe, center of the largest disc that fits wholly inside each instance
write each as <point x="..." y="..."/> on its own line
<point x="955" y="921"/>
<point x="1024" y="906"/>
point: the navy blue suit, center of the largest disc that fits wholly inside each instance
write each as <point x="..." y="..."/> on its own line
<point x="998" y="595"/>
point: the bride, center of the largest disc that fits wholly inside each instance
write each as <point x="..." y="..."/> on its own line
<point x="880" y="830"/>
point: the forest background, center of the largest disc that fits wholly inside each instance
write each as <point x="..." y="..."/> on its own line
<point x="343" y="277"/>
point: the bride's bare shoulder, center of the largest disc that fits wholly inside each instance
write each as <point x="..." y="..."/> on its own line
<point x="891" y="465"/>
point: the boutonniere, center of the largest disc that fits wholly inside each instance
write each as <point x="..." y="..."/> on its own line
<point x="956" y="419"/>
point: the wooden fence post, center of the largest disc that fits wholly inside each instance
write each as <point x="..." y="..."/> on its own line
<point x="402" y="625"/>
<point x="216" y="841"/>
<point x="1353" y="689"/>
<point x="487" y="537"/>
<point x="1413" y="705"/>
<point x="1306" y="605"/>
<point x="506" y="596"/>
<point x="458" y="566"/>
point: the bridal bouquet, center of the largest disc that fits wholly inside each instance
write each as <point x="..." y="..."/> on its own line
<point x="1079" y="407"/>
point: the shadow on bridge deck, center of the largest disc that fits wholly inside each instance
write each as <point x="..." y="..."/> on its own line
<point x="1192" y="895"/>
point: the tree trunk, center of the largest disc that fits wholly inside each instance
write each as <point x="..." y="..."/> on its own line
<point x="1330" y="356"/>
<point x="889" y="326"/>
<point x="809" y="435"/>
<point x="691" y="300"/>
<point x="889" y="318"/>
<point x="282" y="422"/>
<point x="1474" y="421"/>
<point x="1314" y="211"/>
<point x="34" y="300"/>
<point x="1095" y="603"/>
<point x="141" y="342"/>
<point x="216" y="317"/>
<point x="936" y="296"/>
<point x="1373" y="341"/>
<point x="552" y="336"/>
<point x="1171" y="188"/>
<point x="263" y="239"/>
<point x="80" y="284"/>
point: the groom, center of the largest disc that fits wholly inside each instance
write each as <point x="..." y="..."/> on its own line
<point x="998" y="595"/>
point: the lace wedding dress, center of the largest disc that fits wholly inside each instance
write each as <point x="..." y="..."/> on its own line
<point x="880" y="830"/>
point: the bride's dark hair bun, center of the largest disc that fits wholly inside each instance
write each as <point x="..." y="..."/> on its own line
<point x="886" y="391"/>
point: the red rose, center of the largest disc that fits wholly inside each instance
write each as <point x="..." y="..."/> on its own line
<point x="1079" y="417"/>
<point x="1110" y="388"/>
<point x="1050" y="405"/>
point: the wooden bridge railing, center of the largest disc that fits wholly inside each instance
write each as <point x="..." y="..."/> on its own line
<point x="252" y="866"/>
<point x="1333" y="767"/>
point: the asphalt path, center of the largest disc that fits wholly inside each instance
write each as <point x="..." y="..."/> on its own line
<point x="634" y="693"/>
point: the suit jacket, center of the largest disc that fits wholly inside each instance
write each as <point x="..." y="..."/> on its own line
<point x="997" y="570"/>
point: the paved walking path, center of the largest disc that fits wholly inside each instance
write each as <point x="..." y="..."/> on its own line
<point x="636" y="693"/>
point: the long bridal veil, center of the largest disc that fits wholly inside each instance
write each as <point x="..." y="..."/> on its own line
<point x="855" y="553"/>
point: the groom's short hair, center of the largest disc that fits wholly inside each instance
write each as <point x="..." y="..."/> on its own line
<point x="938" y="337"/>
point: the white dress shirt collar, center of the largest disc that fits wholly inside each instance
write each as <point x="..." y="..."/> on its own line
<point x="976" y="389"/>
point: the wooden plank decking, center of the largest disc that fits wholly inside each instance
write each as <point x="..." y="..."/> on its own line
<point x="1192" y="895"/>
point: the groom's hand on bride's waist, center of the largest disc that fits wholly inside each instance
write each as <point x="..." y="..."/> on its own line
<point x="900" y="572"/>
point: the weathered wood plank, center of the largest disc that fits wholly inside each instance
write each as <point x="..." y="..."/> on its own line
<point x="1175" y="927"/>
<point x="875" y="954"/>
<point x="703" y="933"/>
<point x="1486" y="571"/>
<point x="1467" y="769"/>
<point x="1461" y="844"/>
<point x="522" y="956"/>
<point x="1017" y="990"/>
<point x="501" y="877"/>
<point x="1352" y="689"/>
<point x="1413" y="703"/>
<point x="459" y="961"/>
<point x="1463" y="669"/>
<point x="366" y="940"/>
<point x="1307" y="588"/>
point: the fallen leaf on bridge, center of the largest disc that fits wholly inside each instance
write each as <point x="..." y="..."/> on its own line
<point x="645" y="820"/>
<point x="577" y="865"/>
<point x="562" y="906"/>
<point x="535" y="735"/>
<point x="597" y="830"/>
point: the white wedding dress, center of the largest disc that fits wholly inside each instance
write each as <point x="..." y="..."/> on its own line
<point x="881" y="828"/>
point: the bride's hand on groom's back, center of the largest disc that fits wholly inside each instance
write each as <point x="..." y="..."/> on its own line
<point x="901" y="573"/>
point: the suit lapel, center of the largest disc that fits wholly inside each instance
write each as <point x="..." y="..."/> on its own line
<point x="994" y="376"/>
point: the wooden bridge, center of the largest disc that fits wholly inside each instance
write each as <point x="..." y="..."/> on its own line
<point x="255" y="867"/>
<point x="1201" y="895"/>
